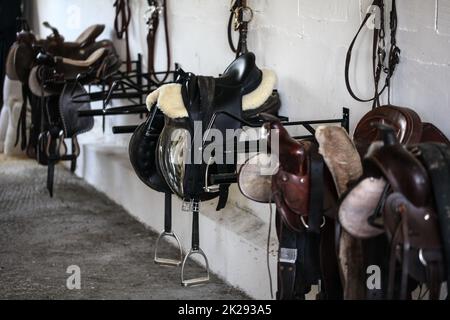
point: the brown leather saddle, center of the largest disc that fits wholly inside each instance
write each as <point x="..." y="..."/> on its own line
<point x="291" y="185"/>
<point x="406" y="123"/>
<point x="409" y="216"/>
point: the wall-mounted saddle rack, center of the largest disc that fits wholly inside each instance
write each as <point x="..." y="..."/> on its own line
<point x="219" y="179"/>
<point x="133" y="86"/>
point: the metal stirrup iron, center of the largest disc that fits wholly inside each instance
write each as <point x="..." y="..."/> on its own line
<point x="169" y="234"/>
<point x="195" y="250"/>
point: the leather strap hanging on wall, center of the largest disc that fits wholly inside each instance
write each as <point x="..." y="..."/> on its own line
<point x="240" y="17"/>
<point x="121" y="25"/>
<point x="379" y="53"/>
<point x="153" y="20"/>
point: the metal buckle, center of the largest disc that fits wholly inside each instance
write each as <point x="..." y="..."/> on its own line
<point x="190" y="206"/>
<point x="195" y="281"/>
<point x="288" y="255"/>
<point x="165" y="261"/>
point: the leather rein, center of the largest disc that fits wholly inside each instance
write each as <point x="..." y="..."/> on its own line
<point x="153" y="20"/>
<point x="379" y="54"/>
<point x="121" y="24"/>
<point x="240" y="17"/>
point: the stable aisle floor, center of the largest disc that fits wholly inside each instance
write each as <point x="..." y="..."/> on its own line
<point x="40" y="238"/>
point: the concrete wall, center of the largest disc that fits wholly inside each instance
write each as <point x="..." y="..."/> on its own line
<point x="305" y="41"/>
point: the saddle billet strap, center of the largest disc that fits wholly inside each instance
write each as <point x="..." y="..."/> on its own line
<point x="436" y="158"/>
<point x="315" y="215"/>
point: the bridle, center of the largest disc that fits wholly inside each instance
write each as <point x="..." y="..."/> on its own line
<point x="379" y="54"/>
<point x="240" y="17"/>
<point x="152" y="17"/>
<point x="121" y="24"/>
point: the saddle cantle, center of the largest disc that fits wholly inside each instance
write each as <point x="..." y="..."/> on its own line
<point x="196" y="104"/>
<point x="405" y="122"/>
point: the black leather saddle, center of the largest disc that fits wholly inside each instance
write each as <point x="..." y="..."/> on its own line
<point x="212" y="103"/>
<point x="204" y="103"/>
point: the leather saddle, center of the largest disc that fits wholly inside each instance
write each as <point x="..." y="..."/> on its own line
<point x="193" y="107"/>
<point x="363" y="201"/>
<point x="50" y="73"/>
<point x="406" y="122"/>
<point x="22" y="54"/>
<point x="409" y="215"/>
<point x="298" y="186"/>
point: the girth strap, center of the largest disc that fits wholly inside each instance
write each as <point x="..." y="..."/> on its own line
<point x="298" y="262"/>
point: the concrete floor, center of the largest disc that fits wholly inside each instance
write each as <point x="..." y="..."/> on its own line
<point x="41" y="237"/>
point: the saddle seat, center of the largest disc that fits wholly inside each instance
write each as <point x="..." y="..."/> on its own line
<point x="253" y="85"/>
<point x="242" y="73"/>
<point x="50" y="74"/>
<point x="89" y="35"/>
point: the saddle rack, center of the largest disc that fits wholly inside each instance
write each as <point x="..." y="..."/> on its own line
<point x="133" y="86"/>
<point x="218" y="179"/>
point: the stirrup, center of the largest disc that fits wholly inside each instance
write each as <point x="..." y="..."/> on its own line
<point x="195" y="281"/>
<point x="165" y="261"/>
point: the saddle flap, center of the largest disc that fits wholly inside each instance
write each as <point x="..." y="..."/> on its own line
<point x="422" y="223"/>
<point x="294" y="190"/>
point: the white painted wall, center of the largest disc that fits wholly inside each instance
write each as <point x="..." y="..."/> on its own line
<point x="305" y="41"/>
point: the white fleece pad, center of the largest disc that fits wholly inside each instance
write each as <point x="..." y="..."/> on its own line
<point x="169" y="98"/>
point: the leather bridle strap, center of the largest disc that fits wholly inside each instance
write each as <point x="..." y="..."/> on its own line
<point x="121" y="24"/>
<point x="378" y="54"/>
<point x="236" y="22"/>
<point x="153" y="25"/>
